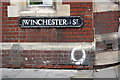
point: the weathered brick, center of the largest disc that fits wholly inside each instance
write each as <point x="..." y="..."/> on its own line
<point x="106" y="22"/>
<point x="12" y="32"/>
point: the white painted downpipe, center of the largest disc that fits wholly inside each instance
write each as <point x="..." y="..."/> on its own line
<point x="81" y="60"/>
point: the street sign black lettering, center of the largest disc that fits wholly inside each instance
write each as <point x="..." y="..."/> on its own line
<point x="34" y="22"/>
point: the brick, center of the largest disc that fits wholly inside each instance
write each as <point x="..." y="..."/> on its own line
<point x="5" y="3"/>
<point x="74" y="14"/>
<point x="10" y="22"/>
<point x="79" y="9"/>
<point x="4" y="7"/>
<point x="105" y="20"/>
<point x="6" y="58"/>
<point x="5" y="62"/>
<point x="57" y="66"/>
<point x="5" y="14"/>
<point x="13" y="18"/>
<point x="74" y="66"/>
<point x="23" y="40"/>
<point x="66" y="2"/>
<point x="85" y="13"/>
<point x="87" y="17"/>
<point x="5" y="40"/>
<point x="87" y="36"/>
<point x="5" y="55"/>
<point x="86" y="25"/>
<point x="37" y="66"/>
<point x="67" y="66"/>
<point x="15" y="66"/>
<point x="87" y="29"/>
<point x="4" y="11"/>
<point x="81" y="5"/>
<point x="48" y="66"/>
<point x="71" y="36"/>
<point x="27" y="66"/>
<point x="87" y="21"/>
<point x="6" y="66"/>
<point x="27" y="55"/>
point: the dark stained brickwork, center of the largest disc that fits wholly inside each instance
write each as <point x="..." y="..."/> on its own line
<point x="42" y="59"/>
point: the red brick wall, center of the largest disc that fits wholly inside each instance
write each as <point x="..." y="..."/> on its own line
<point x="0" y="21"/>
<point x="106" y="22"/>
<point x="13" y="33"/>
